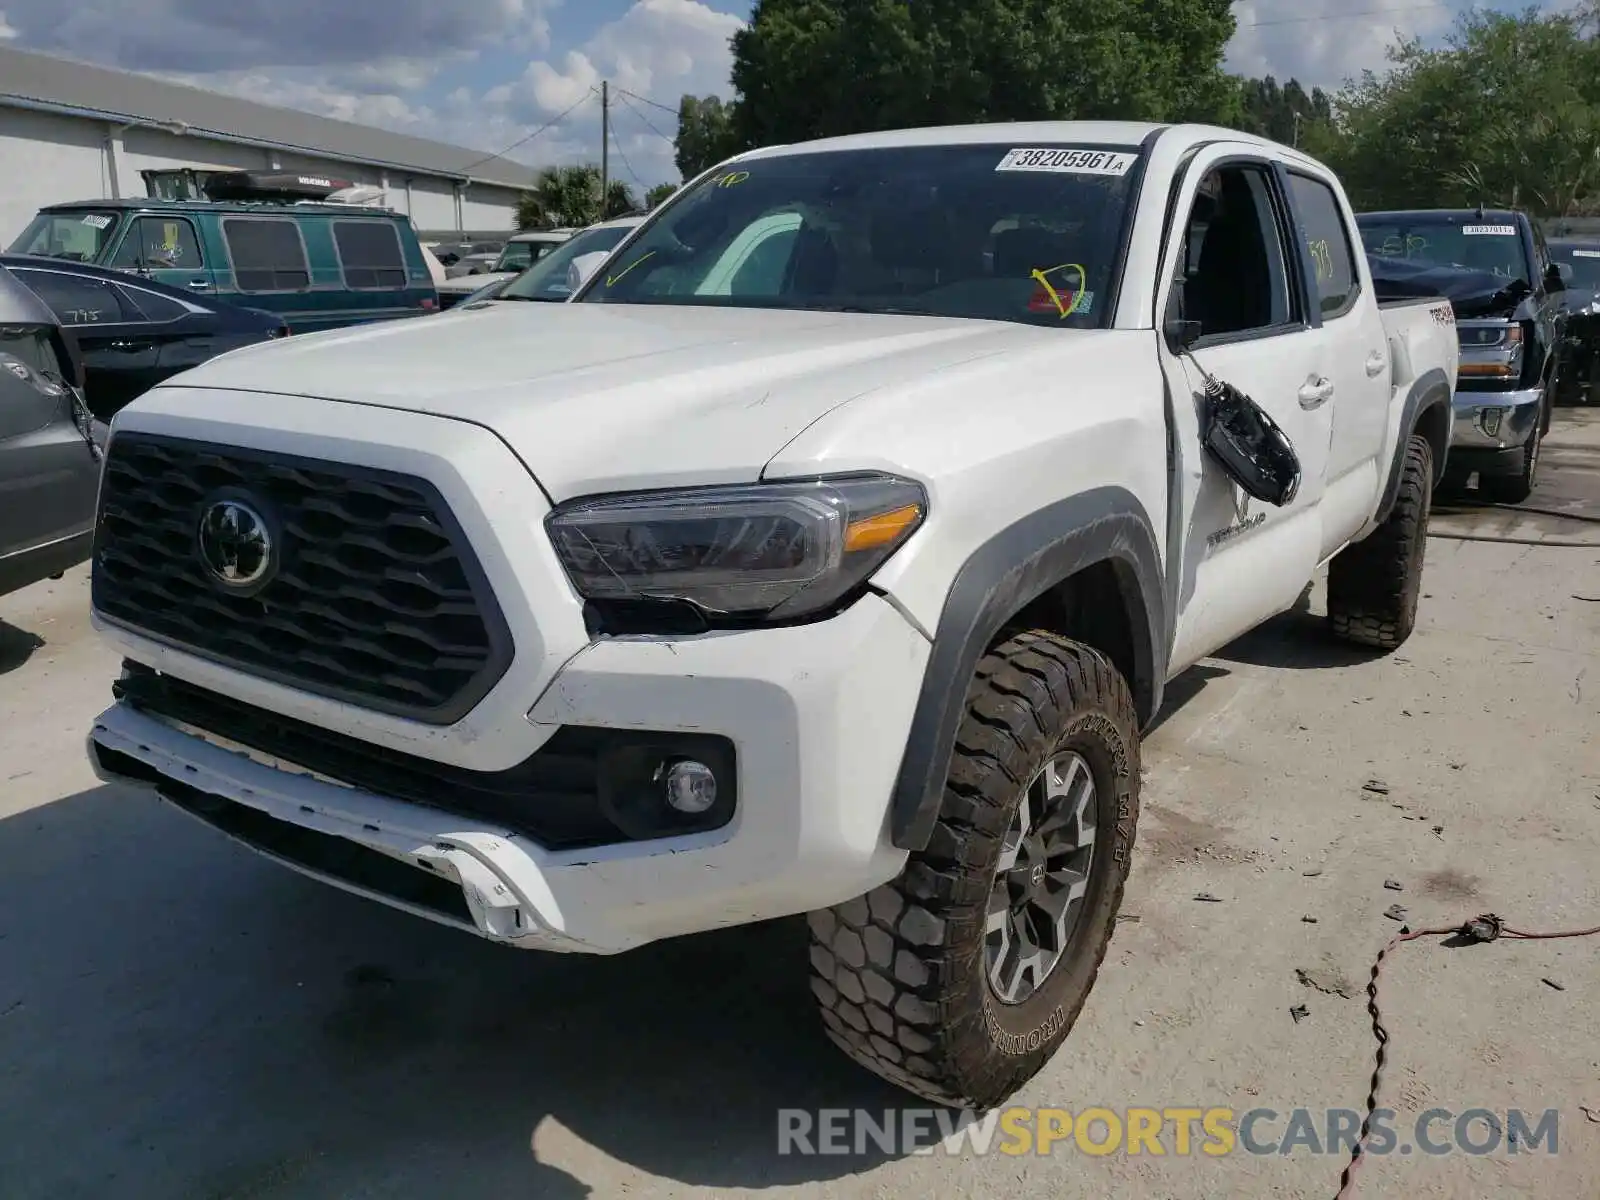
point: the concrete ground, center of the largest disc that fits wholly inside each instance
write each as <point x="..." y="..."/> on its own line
<point x="180" y="1020"/>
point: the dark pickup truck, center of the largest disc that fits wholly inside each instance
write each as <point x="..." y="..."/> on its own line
<point x="1495" y="267"/>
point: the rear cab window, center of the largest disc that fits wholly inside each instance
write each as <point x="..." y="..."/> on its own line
<point x="1329" y="244"/>
<point x="76" y="236"/>
<point x="268" y="254"/>
<point x="370" y="255"/>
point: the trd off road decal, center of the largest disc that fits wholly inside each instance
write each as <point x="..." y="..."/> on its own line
<point x="1067" y="162"/>
<point x="1443" y="314"/>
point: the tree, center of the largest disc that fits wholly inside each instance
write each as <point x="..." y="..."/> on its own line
<point x="1506" y="113"/>
<point x="704" y="134"/>
<point x="569" y="197"/>
<point x="1284" y="114"/>
<point x="814" y="68"/>
<point x="657" y="195"/>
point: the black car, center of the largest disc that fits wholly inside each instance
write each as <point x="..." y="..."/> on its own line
<point x="1579" y="262"/>
<point x="134" y="332"/>
<point x="50" y="448"/>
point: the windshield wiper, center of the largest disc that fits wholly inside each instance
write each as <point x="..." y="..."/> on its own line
<point x="879" y="309"/>
<point x="532" y="299"/>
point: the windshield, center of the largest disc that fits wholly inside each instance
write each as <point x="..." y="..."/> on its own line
<point x="519" y="256"/>
<point x="547" y="278"/>
<point x="1584" y="261"/>
<point x="1449" y="240"/>
<point x="989" y="232"/>
<point x="76" y="236"/>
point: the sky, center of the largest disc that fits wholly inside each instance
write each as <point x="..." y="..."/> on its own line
<point x="487" y="74"/>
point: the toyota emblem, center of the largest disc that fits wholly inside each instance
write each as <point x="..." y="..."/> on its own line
<point x="235" y="545"/>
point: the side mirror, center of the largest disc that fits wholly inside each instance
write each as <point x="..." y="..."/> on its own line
<point x="582" y="268"/>
<point x="1181" y="334"/>
<point x="1556" y="278"/>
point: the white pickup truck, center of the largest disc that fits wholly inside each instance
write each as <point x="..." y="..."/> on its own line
<point x="827" y="553"/>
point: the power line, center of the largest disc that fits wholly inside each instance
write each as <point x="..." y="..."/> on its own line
<point x="550" y="124"/>
<point x="652" y="103"/>
<point x="623" y="155"/>
<point x="623" y="95"/>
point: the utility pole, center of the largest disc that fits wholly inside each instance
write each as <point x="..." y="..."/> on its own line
<point x="605" y="142"/>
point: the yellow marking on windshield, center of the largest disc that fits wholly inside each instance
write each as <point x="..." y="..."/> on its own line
<point x="731" y="179"/>
<point x="1062" y="307"/>
<point x="617" y="278"/>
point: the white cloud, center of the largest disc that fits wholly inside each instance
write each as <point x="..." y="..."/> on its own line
<point x="1324" y="43"/>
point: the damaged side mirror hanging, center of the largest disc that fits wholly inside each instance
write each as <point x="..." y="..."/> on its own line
<point x="1245" y="441"/>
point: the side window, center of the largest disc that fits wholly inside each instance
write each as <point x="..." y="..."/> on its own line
<point x="371" y="256"/>
<point x="1235" y="278"/>
<point x="160" y="243"/>
<point x="1332" y="250"/>
<point x="76" y="300"/>
<point x="154" y="307"/>
<point x="267" y="254"/>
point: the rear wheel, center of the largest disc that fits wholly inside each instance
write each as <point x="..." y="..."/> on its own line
<point x="1374" y="585"/>
<point x="960" y="979"/>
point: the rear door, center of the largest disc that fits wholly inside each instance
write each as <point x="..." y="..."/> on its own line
<point x="120" y="347"/>
<point x="1232" y="266"/>
<point x="1359" y="364"/>
<point x="168" y="249"/>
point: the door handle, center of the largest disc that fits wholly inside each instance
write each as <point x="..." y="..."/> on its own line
<point x="199" y="283"/>
<point x="1315" y="393"/>
<point x="1376" y="361"/>
<point x="129" y="347"/>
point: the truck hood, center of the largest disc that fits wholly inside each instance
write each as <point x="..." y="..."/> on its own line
<point x="599" y="397"/>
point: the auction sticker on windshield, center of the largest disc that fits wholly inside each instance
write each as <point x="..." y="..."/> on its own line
<point x="1489" y="230"/>
<point x="1067" y="162"/>
<point x="1586" y="254"/>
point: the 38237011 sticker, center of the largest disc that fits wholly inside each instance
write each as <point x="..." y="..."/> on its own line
<point x="1067" y="162"/>
<point x="1489" y="230"/>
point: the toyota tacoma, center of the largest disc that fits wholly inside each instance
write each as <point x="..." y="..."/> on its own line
<point x="826" y="553"/>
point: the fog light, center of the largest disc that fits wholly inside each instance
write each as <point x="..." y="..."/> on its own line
<point x="691" y="787"/>
<point x="1491" y="420"/>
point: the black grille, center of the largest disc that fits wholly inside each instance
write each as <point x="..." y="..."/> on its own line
<point x="377" y="599"/>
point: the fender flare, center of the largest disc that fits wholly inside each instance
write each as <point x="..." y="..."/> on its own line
<point x="1002" y="576"/>
<point x="1428" y="391"/>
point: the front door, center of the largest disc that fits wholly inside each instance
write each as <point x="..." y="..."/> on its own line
<point x="165" y="248"/>
<point x="48" y="475"/>
<point x="1234" y="274"/>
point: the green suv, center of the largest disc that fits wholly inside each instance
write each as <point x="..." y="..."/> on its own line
<point x="318" y="266"/>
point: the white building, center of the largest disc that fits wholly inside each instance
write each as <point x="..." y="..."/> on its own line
<point x="69" y="131"/>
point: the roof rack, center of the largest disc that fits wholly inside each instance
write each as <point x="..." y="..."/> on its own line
<point x="282" y="187"/>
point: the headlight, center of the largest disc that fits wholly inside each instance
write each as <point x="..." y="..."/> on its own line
<point x="765" y="551"/>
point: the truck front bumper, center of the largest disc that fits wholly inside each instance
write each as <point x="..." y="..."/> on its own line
<point x="1494" y="421"/>
<point x="818" y="715"/>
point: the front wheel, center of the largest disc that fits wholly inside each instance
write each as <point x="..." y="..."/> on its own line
<point x="959" y="980"/>
<point x="1514" y="489"/>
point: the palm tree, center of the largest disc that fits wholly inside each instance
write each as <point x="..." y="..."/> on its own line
<point x="569" y="197"/>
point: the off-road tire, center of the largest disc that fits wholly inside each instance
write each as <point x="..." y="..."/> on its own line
<point x="1374" y="585"/>
<point x="901" y="973"/>
<point x="1514" y="489"/>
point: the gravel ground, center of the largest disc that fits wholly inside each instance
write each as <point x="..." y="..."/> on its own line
<point x="181" y="1020"/>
